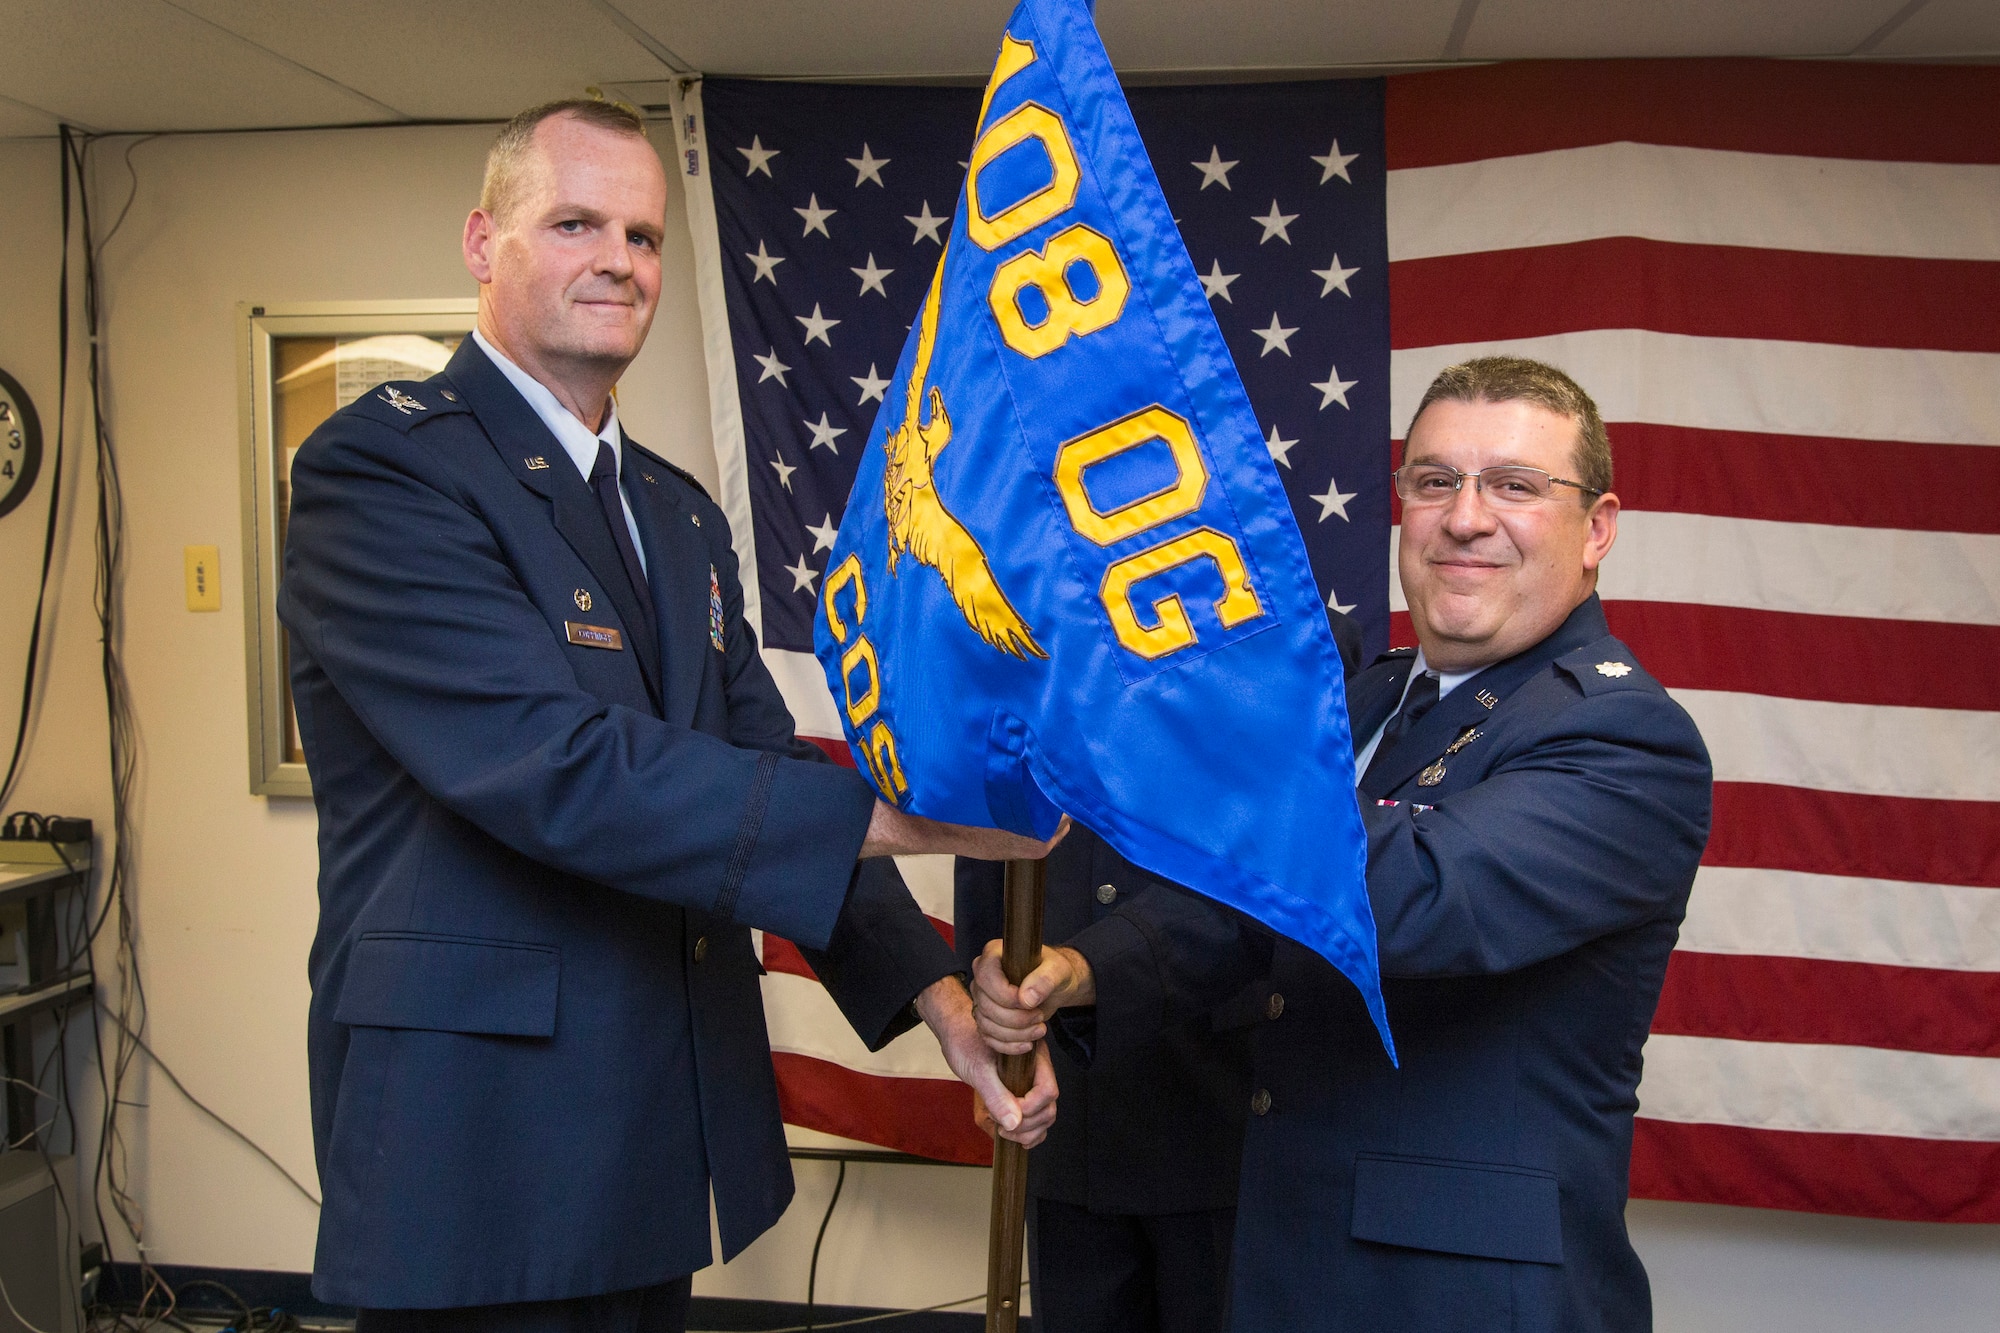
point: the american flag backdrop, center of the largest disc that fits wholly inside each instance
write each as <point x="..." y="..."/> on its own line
<point x="1781" y="282"/>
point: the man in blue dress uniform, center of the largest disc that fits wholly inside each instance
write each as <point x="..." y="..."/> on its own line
<point x="1536" y="806"/>
<point x="557" y="790"/>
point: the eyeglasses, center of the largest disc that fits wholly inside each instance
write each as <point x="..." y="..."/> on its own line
<point x="1434" y="483"/>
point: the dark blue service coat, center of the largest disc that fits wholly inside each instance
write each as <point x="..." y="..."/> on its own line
<point x="536" y="1036"/>
<point x="1527" y="891"/>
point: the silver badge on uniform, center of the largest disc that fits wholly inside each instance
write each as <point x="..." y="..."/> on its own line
<point x="401" y="401"/>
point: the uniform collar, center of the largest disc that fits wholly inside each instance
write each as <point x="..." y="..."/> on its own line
<point x="577" y="439"/>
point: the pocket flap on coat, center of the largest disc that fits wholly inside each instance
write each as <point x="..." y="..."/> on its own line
<point x="443" y="983"/>
<point x="1489" y="1212"/>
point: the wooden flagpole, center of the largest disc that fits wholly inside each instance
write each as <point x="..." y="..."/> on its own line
<point x="1021" y="953"/>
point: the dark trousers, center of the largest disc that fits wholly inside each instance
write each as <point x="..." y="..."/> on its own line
<point x="1100" y="1273"/>
<point x="661" y="1309"/>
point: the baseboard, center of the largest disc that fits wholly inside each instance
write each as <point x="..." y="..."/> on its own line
<point x="201" y="1291"/>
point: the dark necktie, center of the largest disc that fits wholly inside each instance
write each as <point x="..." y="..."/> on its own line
<point x="604" y="480"/>
<point x="1423" y="697"/>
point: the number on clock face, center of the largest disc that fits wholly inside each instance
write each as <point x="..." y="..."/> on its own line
<point x="20" y="444"/>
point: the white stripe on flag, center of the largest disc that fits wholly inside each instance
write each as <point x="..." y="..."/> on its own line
<point x="1808" y="568"/>
<point x="804" y="1020"/>
<point x="1938" y="754"/>
<point x="803" y="684"/>
<point x="1837" y="918"/>
<point x="725" y="410"/>
<point x="1748" y="384"/>
<point x="1823" y="1089"/>
<point x="1696" y="196"/>
<point x="930" y="882"/>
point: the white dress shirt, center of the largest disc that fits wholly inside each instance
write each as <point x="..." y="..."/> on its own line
<point x="575" y="437"/>
<point x="1447" y="682"/>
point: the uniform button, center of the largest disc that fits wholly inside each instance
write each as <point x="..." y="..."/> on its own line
<point x="448" y="395"/>
<point x="1107" y="894"/>
<point x="701" y="948"/>
<point x="1260" y="1101"/>
<point x="1274" y="1006"/>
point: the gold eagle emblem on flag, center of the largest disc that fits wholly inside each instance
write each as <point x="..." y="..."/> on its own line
<point x="919" y="524"/>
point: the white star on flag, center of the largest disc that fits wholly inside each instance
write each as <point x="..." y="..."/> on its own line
<point x="867" y="167"/>
<point x="823" y="534"/>
<point x="1274" y="224"/>
<point x="774" y="369"/>
<point x="1333" y="389"/>
<point x="1214" y="171"/>
<point x="824" y="433"/>
<point x="926" y="225"/>
<point x="1334" y="501"/>
<point x="803" y="575"/>
<point x="817" y="325"/>
<point x="1335" y="163"/>
<point x="1215" y="282"/>
<point x="815" y="217"/>
<point x="1336" y="278"/>
<point x="760" y="157"/>
<point x="785" y="470"/>
<point x="1333" y="600"/>
<point x="1279" y="447"/>
<point x="872" y="385"/>
<point x="871" y="277"/>
<point x="767" y="264"/>
<point x="1277" y="338"/>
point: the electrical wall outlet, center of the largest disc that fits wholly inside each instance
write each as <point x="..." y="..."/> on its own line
<point x="204" y="578"/>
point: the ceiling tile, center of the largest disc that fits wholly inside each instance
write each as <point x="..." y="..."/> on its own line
<point x="1947" y="28"/>
<point x="143" y="64"/>
<point x="448" y="59"/>
<point x="1574" y="29"/>
<point x="914" y="38"/>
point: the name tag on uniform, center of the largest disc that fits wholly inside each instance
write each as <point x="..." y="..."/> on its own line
<point x="595" y="636"/>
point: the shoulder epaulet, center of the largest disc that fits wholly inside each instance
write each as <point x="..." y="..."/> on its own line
<point x="1605" y="666"/>
<point x="1394" y="655"/>
<point x="405" y="404"/>
<point x="680" y="472"/>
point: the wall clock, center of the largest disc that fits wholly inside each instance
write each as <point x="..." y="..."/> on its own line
<point x="20" y="443"/>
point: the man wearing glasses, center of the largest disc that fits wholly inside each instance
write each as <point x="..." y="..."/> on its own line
<point x="1536" y="805"/>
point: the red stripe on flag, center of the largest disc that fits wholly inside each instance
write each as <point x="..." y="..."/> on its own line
<point x="1839" y="833"/>
<point x="1891" y="113"/>
<point x="1746" y="474"/>
<point x="1800" y="479"/>
<point x="1862" y="1175"/>
<point x="781" y="955"/>
<point x="930" y="1117"/>
<point x="1703" y="291"/>
<point x="1836" y="658"/>
<point x="1755" y="998"/>
<point x="1793" y="656"/>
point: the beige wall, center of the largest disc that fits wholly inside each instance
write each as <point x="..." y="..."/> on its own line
<point x="224" y="880"/>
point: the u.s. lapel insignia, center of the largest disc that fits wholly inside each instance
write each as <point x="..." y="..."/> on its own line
<point x="537" y="463"/>
<point x="1434" y="775"/>
<point x="401" y="401"/>
<point x="581" y="598"/>
<point x="1487" y="699"/>
<point x="1613" y="669"/>
<point x="651" y="480"/>
<point x="715" y="611"/>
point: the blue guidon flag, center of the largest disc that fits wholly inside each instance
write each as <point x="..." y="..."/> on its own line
<point x="1068" y="578"/>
